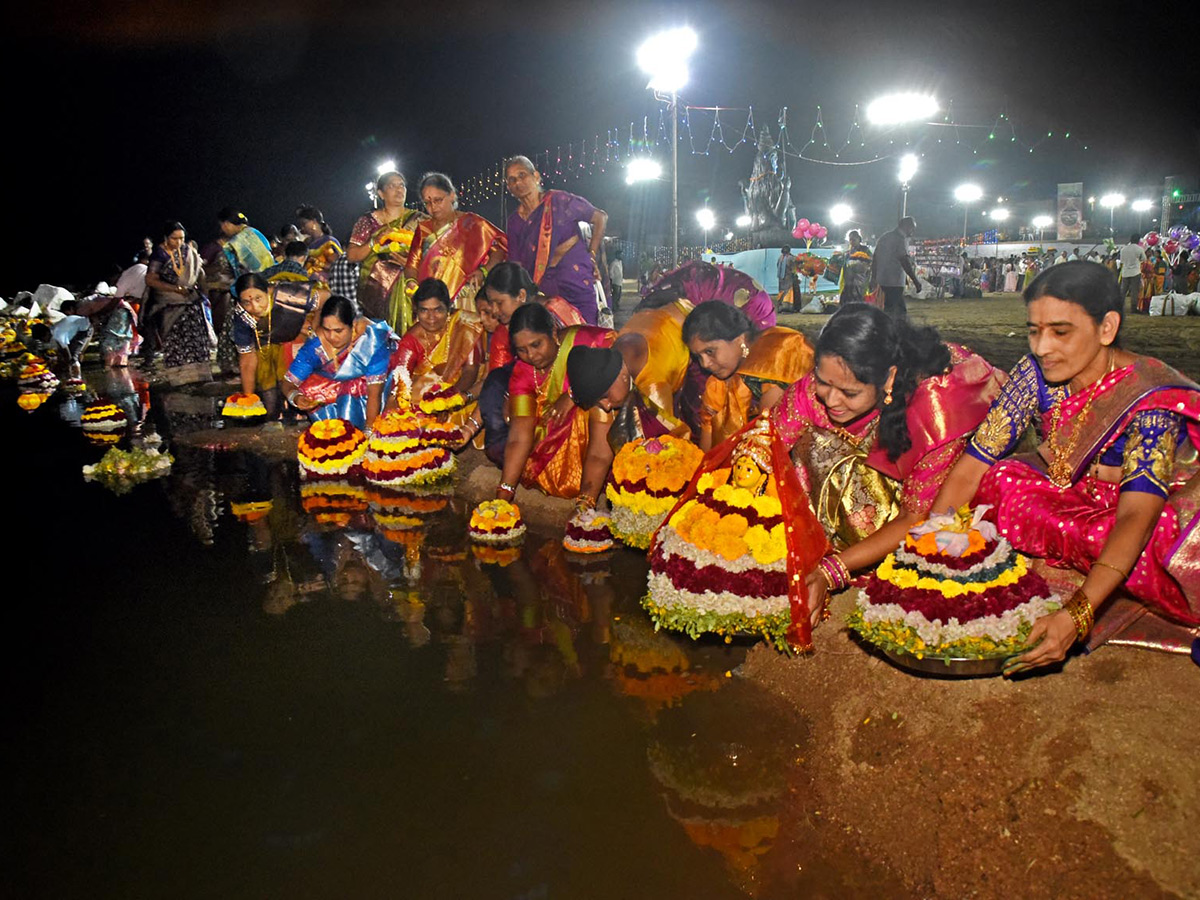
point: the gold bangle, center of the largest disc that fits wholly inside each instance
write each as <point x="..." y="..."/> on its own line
<point x="1120" y="572"/>
<point x="1079" y="608"/>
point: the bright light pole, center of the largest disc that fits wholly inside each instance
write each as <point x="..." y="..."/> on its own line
<point x="1112" y="201"/>
<point x="388" y="165"/>
<point x="908" y="168"/>
<point x="1041" y="222"/>
<point x="840" y="214"/>
<point x="902" y="107"/>
<point x="745" y="221"/>
<point x="966" y="194"/>
<point x="1141" y="207"/>
<point x="664" y="57"/>
<point x="642" y="168"/>
<point x="708" y="221"/>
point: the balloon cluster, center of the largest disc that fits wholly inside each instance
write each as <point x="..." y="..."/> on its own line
<point x="1179" y="240"/>
<point x="809" y="231"/>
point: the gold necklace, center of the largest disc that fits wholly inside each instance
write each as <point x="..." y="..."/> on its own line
<point x="1060" y="470"/>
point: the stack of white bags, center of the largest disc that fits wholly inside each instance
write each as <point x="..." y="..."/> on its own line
<point x="1172" y="304"/>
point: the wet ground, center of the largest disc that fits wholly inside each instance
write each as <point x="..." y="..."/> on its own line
<point x="209" y="697"/>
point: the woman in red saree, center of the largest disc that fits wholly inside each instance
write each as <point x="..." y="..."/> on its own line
<point x="548" y="435"/>
<point x="1112" y="490"/>
<point x="445" y="346"/>
<point x="457" y="247"/>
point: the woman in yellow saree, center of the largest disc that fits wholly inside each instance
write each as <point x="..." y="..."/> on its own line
<point x="748" y="371"/>
<point x="457" y="247"/>
<point x="380" y="243"/>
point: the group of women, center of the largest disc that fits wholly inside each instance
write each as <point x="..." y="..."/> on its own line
<point x="1084" y="454"/>
<point x="883" y="421"/>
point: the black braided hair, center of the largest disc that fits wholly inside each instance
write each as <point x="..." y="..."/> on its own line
<point x="870" y="342"/>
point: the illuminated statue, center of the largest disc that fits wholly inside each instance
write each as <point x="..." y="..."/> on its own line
<point x="768" y="197"/>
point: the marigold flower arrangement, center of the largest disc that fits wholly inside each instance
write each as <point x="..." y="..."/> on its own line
<point x="397" y="453"/>
<point x="648" y="476"/>
<point x="330" y="448"/>
<point x="810" y="264"/>
<point x="397" y="240"/>
<point x="441" y="398"/>
<point x="35" y="378"/>
<point x="102" y="416"/>
<point x="243" y="406"/>
<point x="496" y="522"/>
<point x="588" y="531"/>
<point x="719" y="564"/>
<point x="953" y="589"/>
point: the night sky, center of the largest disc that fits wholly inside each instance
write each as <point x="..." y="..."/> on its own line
<point x="127" y="115"/>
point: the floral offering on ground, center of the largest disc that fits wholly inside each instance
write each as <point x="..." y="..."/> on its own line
<point x="121" y="470"/>
<point x="397" y="453"/>
<point x="330" y="448"/>
<point x="588" y="531"/>
<point x="719" y="564"/>
<point x="243" y="406"/>
<point x="953" y="589"/>
<point x="648" y="476"/>
<point x="496" y="522"/>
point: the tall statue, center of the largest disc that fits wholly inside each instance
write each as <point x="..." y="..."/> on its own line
<point x="768" y="195"/>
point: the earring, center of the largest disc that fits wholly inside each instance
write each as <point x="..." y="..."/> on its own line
<point x="887" y="397"/>
<point x="745" y="350"/>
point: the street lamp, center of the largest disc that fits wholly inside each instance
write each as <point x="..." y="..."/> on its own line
<point x="998" y="215"/>
<point x="966" y="194"/>
<point x="642" y="168"/>
<point x="899" y="108"/>
<point x="1141" y="207"/>
<point x="388" y="165"/>
<point x="840" y="214"/>
<point x="1112" y="201"/>
<point x="708" y="222"/>
<point x="1041" y="222"/>
<point x="664" y="57"/>
<point x="908" y="168"/>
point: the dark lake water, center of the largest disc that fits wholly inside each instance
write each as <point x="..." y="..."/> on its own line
<point x="311" y="705"/>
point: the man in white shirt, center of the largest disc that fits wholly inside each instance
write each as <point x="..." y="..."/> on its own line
<point x="891" y="263"/>
<point x="616" y="274"/>
<point x="132" y="283"/>
<point x="1132" y="256"/>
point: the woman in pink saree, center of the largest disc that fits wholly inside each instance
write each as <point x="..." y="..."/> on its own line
<point x="1112" y="491"/>
<point x="459" y="248"/>
<point x="873" y="431"/>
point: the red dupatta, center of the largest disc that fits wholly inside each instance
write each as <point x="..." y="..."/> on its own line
<point x="806" y="541"/>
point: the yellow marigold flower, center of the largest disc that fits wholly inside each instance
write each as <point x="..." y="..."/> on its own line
<point x="732" y="525"/>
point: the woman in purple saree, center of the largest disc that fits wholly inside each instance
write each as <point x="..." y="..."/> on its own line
<point x="545" y="238"/>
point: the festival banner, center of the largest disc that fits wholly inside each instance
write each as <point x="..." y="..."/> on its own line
<point x="1070" y="211"/>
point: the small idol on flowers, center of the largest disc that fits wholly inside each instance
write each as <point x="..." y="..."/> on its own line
<point x="954" y="589"/>
<point x="496" y="522"/>
<point x="247" y="409"/>
<point x="330" y="448"/>
<point x="103" y="416"/>
<point x="730" y="558"/>
<point x="648" y="475"/>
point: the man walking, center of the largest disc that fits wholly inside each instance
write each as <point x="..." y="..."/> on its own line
<point x="891" y="263"/>
<point x="1132" y="256"/>
<point x="785" y="271"/>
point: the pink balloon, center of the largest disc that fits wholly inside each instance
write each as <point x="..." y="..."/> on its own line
<point x="822" y="231"/>
<point x="802" y="223"/>
<point x="1152" y="238"/>
<point x="798" y="232"/>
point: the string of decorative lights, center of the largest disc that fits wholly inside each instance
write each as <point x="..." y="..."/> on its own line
<point x="611" y="150"/>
